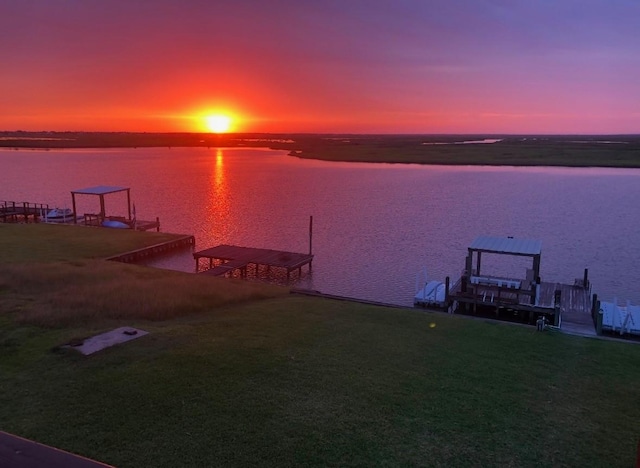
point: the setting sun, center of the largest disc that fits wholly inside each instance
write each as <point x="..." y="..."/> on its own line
<point x="218" y="123"/>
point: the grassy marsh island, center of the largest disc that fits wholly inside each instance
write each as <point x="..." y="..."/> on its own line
<point x="507" y="150"/>
<point x="244" y="374"/>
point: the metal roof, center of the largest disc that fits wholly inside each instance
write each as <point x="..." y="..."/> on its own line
<point x="100" y="190"/>
<point x="507" y="245"/>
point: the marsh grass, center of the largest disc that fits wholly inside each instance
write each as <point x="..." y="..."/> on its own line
<point x="52" y="276"/>
<point x="524" y="150"/>
<point x="511" y="151"/>
<point x="77" y="293"/>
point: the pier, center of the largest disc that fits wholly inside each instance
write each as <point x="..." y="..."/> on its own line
<point x="13" y="212"/>
<point x="145" y="253"/>
<point x="226" y="259"/>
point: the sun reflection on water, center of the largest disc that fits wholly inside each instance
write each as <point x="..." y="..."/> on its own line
<point x="220" y="202"/>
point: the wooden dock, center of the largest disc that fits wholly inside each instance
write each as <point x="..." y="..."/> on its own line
<point x="565" y="305"/>
<point x="226" y="259"/>
<point x="145" y="253"/>
<point x="568" y="306"/>
<point x="13" y="212"/>
<point x="96" y="220"/>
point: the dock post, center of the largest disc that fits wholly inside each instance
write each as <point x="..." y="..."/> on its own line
<point x="446" y="291"/>
<point x="595" y="313"/>
<point x="585" y="279"/>
<point x="557" y="300"/>
<point x="468" y="265"/>
<point x="310" y="234"/>
<point x="75" y="213"/>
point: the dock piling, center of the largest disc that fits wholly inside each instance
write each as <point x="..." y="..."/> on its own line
<point x="310" y="235"/>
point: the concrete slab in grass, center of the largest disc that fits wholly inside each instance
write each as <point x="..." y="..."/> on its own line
<point x="108" y="339"/>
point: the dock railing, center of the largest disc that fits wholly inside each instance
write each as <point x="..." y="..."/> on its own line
<point x="14" y="210"/>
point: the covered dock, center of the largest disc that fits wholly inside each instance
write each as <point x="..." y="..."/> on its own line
<point x="13" y="212"/>
<point x="524" y="298"/>
<point x="97" y="219"/>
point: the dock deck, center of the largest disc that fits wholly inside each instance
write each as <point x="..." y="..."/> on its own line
<point x="225" y="259"/>
<point x="568" y="306"/>
<point x="574" y="306"/>
<point x="13" y="212"/>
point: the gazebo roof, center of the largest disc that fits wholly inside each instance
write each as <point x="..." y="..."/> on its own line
<point x="507" y="245"/>
<point x="100" y="190"/>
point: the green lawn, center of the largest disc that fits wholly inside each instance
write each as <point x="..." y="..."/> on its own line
<point x="285" y="380"/>
<point x="59" y="242"/>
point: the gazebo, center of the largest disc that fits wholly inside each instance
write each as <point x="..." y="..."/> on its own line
<point x="504" y="246"/>
<point x="500" y="289"/>
<point x="101" y="191"/>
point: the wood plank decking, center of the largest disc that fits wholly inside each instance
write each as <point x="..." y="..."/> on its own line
<point x="224" y="259"/>
<point x="15" y="211"/>
<point x="575" y="307"/>
<point x="575" y="302"/>
<point x="144" y="253"/>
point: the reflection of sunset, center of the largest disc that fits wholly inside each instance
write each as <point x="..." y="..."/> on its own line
<point x="219" y="171"/>
<point x="220" y="203"/>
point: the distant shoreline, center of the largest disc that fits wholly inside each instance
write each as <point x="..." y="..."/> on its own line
<point x="620" y="151"/>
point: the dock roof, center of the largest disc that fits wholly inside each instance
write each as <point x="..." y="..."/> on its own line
<point x="507" y="245"/>
<point x="100" y="190"/>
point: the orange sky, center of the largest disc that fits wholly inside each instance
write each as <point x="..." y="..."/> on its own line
<point x="405" y="66"/>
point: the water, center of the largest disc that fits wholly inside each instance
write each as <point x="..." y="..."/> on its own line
<point x="375" y="225"/>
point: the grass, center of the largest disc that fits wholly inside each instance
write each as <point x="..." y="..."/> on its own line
<point x="55" y="276"/>
<point x="85" y="292"/>
<point x="59" y="243"/>
<point x="296" y="381"/>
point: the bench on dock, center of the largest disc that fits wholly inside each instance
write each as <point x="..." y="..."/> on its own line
<point x="494" y="281"/>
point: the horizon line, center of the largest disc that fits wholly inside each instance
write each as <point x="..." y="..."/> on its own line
<point x="315" y="133"/>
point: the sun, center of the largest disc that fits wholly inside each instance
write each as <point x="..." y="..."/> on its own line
<point x="218" y="123"/>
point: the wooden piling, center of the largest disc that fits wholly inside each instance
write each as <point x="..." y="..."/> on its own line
<point x="447" y="283"/>
<point x="585" y="278"/>
<point x="310" y="235"/>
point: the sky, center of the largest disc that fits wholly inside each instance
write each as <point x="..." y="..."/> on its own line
<point x="322" y="66"/>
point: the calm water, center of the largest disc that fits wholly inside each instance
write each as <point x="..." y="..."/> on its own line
<point x="375" y="226"/>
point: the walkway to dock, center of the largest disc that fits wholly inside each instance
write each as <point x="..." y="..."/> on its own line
<point x="575" y="305"/>
<point x="11" y="211"/>
<point x="144" y="253"/>
<point x="225" y="259"/>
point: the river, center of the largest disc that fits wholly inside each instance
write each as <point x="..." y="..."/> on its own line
<point x="375" y="225"/>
